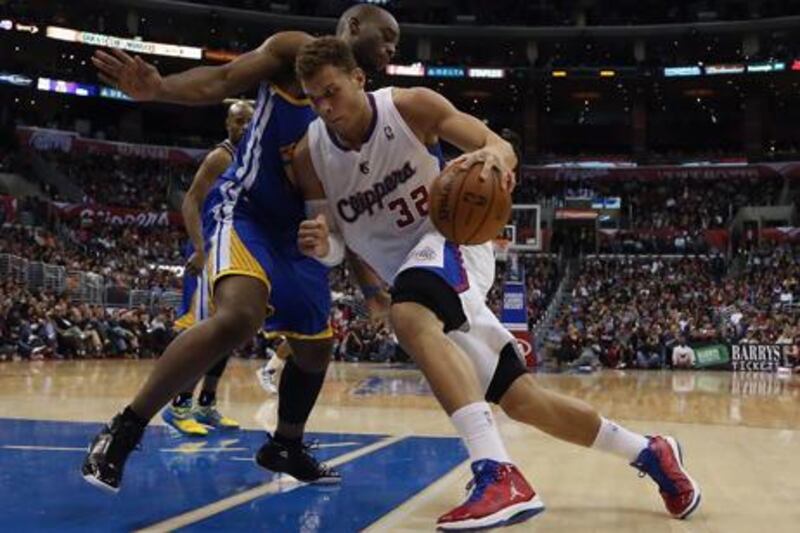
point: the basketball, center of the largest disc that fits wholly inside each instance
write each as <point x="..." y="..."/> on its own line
<point x="466" y="208"/>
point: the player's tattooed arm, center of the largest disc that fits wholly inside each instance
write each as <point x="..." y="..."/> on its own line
<point x="213" y="165"/>
<point x="374" y="290"/>
<point x="431" y="117"/>
<point x="273" y="61"/>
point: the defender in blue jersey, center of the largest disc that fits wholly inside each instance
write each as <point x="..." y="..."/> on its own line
<point x="251" y="258"/>
<point x="181" y="414"/>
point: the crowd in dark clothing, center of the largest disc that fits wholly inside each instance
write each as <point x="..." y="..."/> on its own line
<point x="126" y="256"/>
<point x="41" y="324"/>
<point x="650" y="204"/>
<point x="124" y="181"/>
<point x="632" y="312"/>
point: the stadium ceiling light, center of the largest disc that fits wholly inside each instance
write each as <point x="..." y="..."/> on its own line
<point x="8" y="25"/>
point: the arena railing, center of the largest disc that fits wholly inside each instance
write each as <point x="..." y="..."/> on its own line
<point x="46" y="276"/>
<point x="14" y="268"/>
<point x="80" y="286"/>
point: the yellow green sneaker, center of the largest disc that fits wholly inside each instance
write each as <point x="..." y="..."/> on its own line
<point x="182" y="420"/>
<point x="209" y="416"/>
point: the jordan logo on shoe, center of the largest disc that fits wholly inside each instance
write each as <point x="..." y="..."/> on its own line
<point x="514" y="491"/>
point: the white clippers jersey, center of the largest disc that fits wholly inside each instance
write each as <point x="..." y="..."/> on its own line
<point x="379" y="195"/>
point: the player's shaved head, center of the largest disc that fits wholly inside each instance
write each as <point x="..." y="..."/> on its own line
<point x="240" y="106"/>
<point x="239" y="114"/>
<point x="372" y="33"/>
<point x="363" y="13"/>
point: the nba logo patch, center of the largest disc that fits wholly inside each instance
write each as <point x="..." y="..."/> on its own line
<point x="426" y="254"/>
<point x="389" y="132"/>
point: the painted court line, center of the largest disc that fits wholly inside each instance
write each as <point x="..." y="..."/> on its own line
<point x="395" y="520"/>
<point x="201" y="450"/>
<point x="45" y="448"/>
<point x="336" y="445"/>
<point x="285" y="484"/>
<point x="316" y="446"/>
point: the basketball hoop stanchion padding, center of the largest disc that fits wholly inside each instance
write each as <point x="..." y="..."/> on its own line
<point x="515" y="310"/>
<point x="501" y="246"/>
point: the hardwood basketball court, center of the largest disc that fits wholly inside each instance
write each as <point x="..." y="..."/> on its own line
<point x="402" y="465"/>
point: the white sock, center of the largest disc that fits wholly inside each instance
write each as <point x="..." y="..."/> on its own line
<point x="475" y="424"/>
<point x="613" y="438"/>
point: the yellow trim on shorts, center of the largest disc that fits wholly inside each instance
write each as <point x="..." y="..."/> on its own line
<point x="242" y="263"/>
<point x="185" y="321"/>
<point x="189" y="318"/>
<point x="302" y="102"/>
<point x="246" y="273"/>
<point x="327" y="333"/>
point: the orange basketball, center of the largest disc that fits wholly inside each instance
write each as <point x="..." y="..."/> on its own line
<point x="466" y="208"/>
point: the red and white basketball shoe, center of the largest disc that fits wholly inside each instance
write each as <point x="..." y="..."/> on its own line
<point x="662" y="460"/>
<point x="500" y="496"/>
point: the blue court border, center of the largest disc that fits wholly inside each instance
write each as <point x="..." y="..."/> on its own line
<point x="41" y="488"/>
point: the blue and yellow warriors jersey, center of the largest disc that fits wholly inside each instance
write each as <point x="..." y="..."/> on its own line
<point x="194" y="306"/>
<point x="228" y="146"/>
<point x="251" y="216"/>
<point x="257" y="182"/>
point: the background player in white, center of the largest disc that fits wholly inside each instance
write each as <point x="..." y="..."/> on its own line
<point x="269" y="375"/>
<point x="369" y="154"/>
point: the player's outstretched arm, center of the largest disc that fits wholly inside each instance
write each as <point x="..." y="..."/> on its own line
<point x="213" y="165"/>
<point x="201" y="85"/>
<point x="431" y="117"/>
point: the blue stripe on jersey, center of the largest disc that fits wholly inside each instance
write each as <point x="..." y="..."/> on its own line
<point x="253" y="138"/>
<point x="436" y="151"/>
<point x="250" y="175"/>
<point x="256" y="185"/>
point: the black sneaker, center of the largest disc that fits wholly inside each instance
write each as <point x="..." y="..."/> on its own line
<point x="107" y="454"/>
<point x="296" y="461"/>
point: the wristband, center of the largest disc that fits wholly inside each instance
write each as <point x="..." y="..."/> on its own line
<point x="370" y="291"/>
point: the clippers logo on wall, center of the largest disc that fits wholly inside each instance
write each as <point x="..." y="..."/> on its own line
<point x="758" y="357"/>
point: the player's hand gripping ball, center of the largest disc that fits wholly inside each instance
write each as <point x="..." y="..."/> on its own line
<point x="468" y="208"/>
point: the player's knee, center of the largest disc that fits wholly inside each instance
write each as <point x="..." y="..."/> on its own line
<point x="240" y="306"/>
<point x="239" y="323"/>
<point x="401" y="318"/>
<point x="511" y="386"/>
<point x="523" y="403"/>
<point x="312" y="356"/>
<point x="518" y="407"/>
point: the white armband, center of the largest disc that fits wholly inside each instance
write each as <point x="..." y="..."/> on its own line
<point x="336" y="251"/>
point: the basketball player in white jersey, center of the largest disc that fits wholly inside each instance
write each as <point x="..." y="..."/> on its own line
<point x="370" y="156"/>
